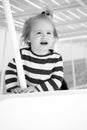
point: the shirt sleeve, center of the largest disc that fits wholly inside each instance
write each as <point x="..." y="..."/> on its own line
<point x="55" y="82"/>
<point x="11" y="78"/>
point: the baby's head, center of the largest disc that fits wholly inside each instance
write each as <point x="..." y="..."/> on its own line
<point x="40" y="33"/>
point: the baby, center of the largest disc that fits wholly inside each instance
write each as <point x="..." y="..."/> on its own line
<point x="43" y="67"/>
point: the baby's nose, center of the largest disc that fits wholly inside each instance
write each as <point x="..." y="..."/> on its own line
<point x="44" y="36"/>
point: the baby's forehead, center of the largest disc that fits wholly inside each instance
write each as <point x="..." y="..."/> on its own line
<point x="42" y="23"/>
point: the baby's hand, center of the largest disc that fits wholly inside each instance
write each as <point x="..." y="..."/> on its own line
<point x="30" y="89"/>
<point x="16" y="90"/>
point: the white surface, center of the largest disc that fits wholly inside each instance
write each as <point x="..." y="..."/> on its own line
<point x="44" y="111"/>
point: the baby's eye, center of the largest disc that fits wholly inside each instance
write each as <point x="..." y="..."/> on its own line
<point x="49" y="33"/>
<point x="38" y="33"/>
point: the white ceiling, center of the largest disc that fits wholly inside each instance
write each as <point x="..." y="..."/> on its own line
<point x="70" y="16"/>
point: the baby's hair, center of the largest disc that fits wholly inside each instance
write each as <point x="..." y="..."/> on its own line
<point x="29" y="22"/>
<point x="47" y="13"/>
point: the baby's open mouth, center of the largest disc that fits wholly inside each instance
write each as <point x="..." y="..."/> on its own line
<point x="43" y="43"/>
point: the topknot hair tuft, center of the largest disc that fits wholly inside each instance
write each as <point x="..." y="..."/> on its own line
<point x="47" y="13"/>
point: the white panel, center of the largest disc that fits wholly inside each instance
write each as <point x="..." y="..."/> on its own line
<point x="53" y="111"/>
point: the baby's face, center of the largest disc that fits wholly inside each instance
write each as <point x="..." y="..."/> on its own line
<point x="42" y="37"/>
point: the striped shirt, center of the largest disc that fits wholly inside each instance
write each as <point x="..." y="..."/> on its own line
<point x="43" y="72"/>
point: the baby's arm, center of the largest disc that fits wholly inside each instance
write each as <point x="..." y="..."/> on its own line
<point x="11" y="78"/>
<point x="55" y="82"/>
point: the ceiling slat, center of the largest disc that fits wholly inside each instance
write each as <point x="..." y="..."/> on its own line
<point x="70" y="16"/>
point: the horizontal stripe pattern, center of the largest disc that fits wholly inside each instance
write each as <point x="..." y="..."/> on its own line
<point x="45" y="72"/>
<point x="40" y="61"/>
<point x="10" y="72"/>
<point x="37" y="76"/>
<point x="37" y="71"/>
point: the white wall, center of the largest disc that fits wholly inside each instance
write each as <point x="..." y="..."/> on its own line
<point x="70" y="48"/>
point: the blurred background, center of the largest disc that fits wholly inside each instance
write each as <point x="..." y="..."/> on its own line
<point x="70" y="19"/>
